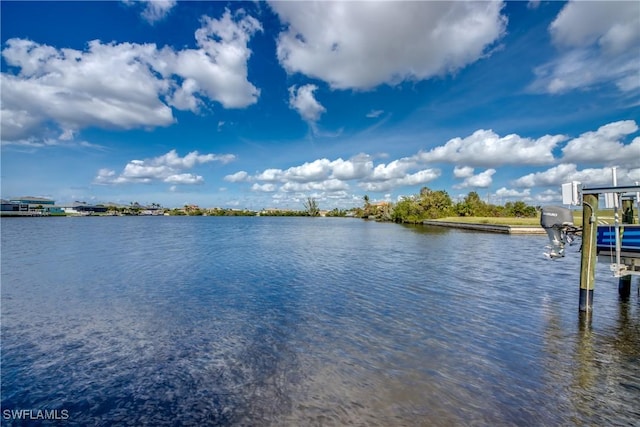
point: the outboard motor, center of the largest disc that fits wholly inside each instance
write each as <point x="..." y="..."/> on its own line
<point x="558" y="223"/>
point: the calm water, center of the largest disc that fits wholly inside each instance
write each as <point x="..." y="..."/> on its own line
<point x="305" y="321"/>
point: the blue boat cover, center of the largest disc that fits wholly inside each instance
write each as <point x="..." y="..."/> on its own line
<point x="630" y="237"/>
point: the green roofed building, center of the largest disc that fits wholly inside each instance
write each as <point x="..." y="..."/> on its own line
<point x="30" y="206"/>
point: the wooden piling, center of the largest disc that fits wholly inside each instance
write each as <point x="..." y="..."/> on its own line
<point x="588" y="256"/>
<point x="624" y="282"/>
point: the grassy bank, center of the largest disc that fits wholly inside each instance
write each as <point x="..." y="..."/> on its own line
<point x="531" y="222"/>
<point x="604" y="216"/>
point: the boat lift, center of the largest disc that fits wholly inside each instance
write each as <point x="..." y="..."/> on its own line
<point x="618" y="244"/>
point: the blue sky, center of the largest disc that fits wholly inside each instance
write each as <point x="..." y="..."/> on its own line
<point x="260" y="105"/>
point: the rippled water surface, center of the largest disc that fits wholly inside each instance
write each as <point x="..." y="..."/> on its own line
<point x="306" y="321"/>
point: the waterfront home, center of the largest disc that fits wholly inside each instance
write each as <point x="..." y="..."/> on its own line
<point x="30" y="206"/>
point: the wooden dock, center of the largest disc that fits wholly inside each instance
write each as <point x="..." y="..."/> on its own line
<point x="487" y="228"/>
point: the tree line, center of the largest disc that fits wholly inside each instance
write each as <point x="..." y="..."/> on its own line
<point x="430" y="204"/>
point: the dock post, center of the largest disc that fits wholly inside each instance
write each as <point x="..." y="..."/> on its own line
<point x="624" y="283"/>
<point x="588" y="256"/>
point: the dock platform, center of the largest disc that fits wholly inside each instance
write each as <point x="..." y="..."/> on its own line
<point x="487" y="228"/>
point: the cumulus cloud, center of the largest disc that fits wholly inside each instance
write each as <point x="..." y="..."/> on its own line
<point x="547" y="196"/>
<point x="361" y="45"/>
<point x="153" y="10"/>
<point x="240" y="176"/>
<point x="166" y="168"/>
<point x="217" y="70"/>
<point x="463" y="172"/>
<point x="357" y="167"/>
<point x="327" y="185"/>
<point x="304" y="102"/>
<point x="482" y="148"/>
<point x="184" y="178"/>
<point x="334" y="176"/>
<point x="567" y="172"/>
<point x="393" y="170"/>
<point x="605" y="145"/>
<point x="266" y="188"/>
<point x="507" y="193"/>
<point x="481" y="180"/>
<point x="123" y="85"/>
<point x="308" y="172"/>
<point x="598" y="43"/>
<point x="156" y="10"/>
<point x="418" y="178"/>
<point x="486" y="148"/>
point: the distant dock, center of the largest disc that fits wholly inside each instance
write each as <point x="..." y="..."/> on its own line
<point x="488" y="228"/>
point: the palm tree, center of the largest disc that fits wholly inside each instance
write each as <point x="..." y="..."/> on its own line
<point x="367" y="206"/>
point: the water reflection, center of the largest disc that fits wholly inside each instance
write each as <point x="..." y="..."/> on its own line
<point x="280" y="321"/>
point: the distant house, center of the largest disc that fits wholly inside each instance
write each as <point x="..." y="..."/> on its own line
<point x="82" y="208"/>
<point x="30" y="206"/>
<point x="9" y="206"/>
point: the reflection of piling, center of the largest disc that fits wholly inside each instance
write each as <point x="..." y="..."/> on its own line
<point x="588" y="256"/>
<point x="624" y="283"/>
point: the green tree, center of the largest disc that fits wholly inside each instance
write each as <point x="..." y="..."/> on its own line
<point x="408" y="210"/>
<point x="435" y="204"/>
<point x="472" y="205"/>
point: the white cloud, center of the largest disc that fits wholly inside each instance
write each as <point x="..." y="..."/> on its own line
<point x="357" y="167"/>
<point x="265" y="188"/>
<point x="217" y="70"/>
<point x="547" y="196"/>
<point x="107" y="86"/>
<point x="506" y="193"/>
<point x="303" y="101"/>
<point x="613" y="26"/>
<point x="240" y="176"/>
<point x="309" y="171"/>
<point x="329" y="185"/>
<point x="363" y="44"/>
<point x="481" y="180"/>
<point x="567" y="172"/>
<point x="164" y="168"/>
<point x="486" y="148"/>
<point x="393" y="170"/>
<point x="463" y="172"/>
<point x="605" y="145"/>
<point x="599" y="43"/>
<point x="60" y="142"/>
<point x="374" y="114"/>
<point x="153" y="10"/>
<point x="271" y="175"/>
<point x="533" y="4"/>
<point x="418" y="178"/>
<point x="184" y="178"/>
<point x="173" y="160"/>
<point x="123" y="85"/>
<point x="333" y="176"/>
<point x="156" y="10"/>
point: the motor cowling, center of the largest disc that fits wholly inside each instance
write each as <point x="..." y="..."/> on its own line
<point x="555" y="216"/>
<point x="556" y="221"/>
